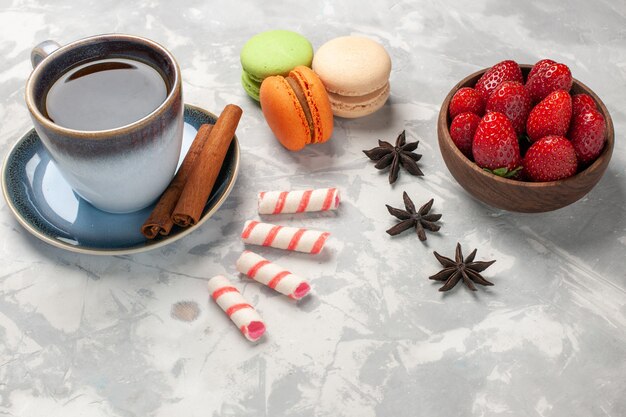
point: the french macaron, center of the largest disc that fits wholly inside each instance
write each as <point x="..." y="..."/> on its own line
<point x="296" y="108"/>
<point x="355" y="71"/>
<point x="275" y="52"/>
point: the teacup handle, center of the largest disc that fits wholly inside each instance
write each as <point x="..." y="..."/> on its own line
<point x="42" y="50"/>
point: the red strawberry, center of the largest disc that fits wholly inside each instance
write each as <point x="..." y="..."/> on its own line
<point x="587" y="134"/>
<point x="549" y="159"/>
<point x="550" y="117"/>
<point x="495" y="143"/>
<point x="502" y="71"/>
<point x="511" y="99"/>
<point x="548" y="77"/>
<point x="462" y="131"/>
<point x="581" y="103"/>
<point x="539" y="66"/>
<point x="465" y="100"/>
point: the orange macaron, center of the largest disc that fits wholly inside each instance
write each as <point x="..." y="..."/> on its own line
<point x="297" y="108"/>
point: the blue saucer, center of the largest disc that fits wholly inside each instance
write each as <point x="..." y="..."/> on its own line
<point x="46" y="206"/>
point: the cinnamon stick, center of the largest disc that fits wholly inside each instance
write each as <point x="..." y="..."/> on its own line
<point x="202" y="178"/>
<point x="160" y="220"/>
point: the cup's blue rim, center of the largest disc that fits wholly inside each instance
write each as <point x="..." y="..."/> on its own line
<point x="107" y="133"/>
<point x="149" y="244"/>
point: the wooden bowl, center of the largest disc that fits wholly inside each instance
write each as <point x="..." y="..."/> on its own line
<point x="521" y="196"/>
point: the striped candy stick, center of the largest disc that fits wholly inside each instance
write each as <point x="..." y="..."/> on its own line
<point x="283" y="237"/>
<point x="274" y="276"/>
<point x="236" y="307"/>
<point x="275" y="202"/>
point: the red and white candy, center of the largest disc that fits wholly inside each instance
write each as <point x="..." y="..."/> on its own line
<point x="276" y="202"/>
<point x="274" y="276"/>
<point x="283" y="237"/>
<point x="236" y="307"/>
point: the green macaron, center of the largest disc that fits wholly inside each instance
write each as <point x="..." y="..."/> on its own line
<point x="275" y="52"/>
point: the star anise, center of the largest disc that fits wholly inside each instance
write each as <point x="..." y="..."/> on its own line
<point x="465" y="269"/>
<point x="395" y="156"/>
<point x="419" y="219"/>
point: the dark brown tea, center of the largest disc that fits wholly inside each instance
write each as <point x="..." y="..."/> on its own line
<point x="105" y="94"/>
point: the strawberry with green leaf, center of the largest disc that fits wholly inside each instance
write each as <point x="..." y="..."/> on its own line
<point x="495" y="147"/>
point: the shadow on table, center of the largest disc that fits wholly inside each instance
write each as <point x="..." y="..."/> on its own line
<point x="584" y="223"/>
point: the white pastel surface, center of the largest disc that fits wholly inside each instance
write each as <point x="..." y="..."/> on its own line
<point x="97" y="336"/>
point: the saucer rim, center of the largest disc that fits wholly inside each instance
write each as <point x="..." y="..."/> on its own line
<point x="148" y="244"/>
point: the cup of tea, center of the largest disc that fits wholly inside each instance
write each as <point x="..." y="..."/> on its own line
<point x="110" y="112"/>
